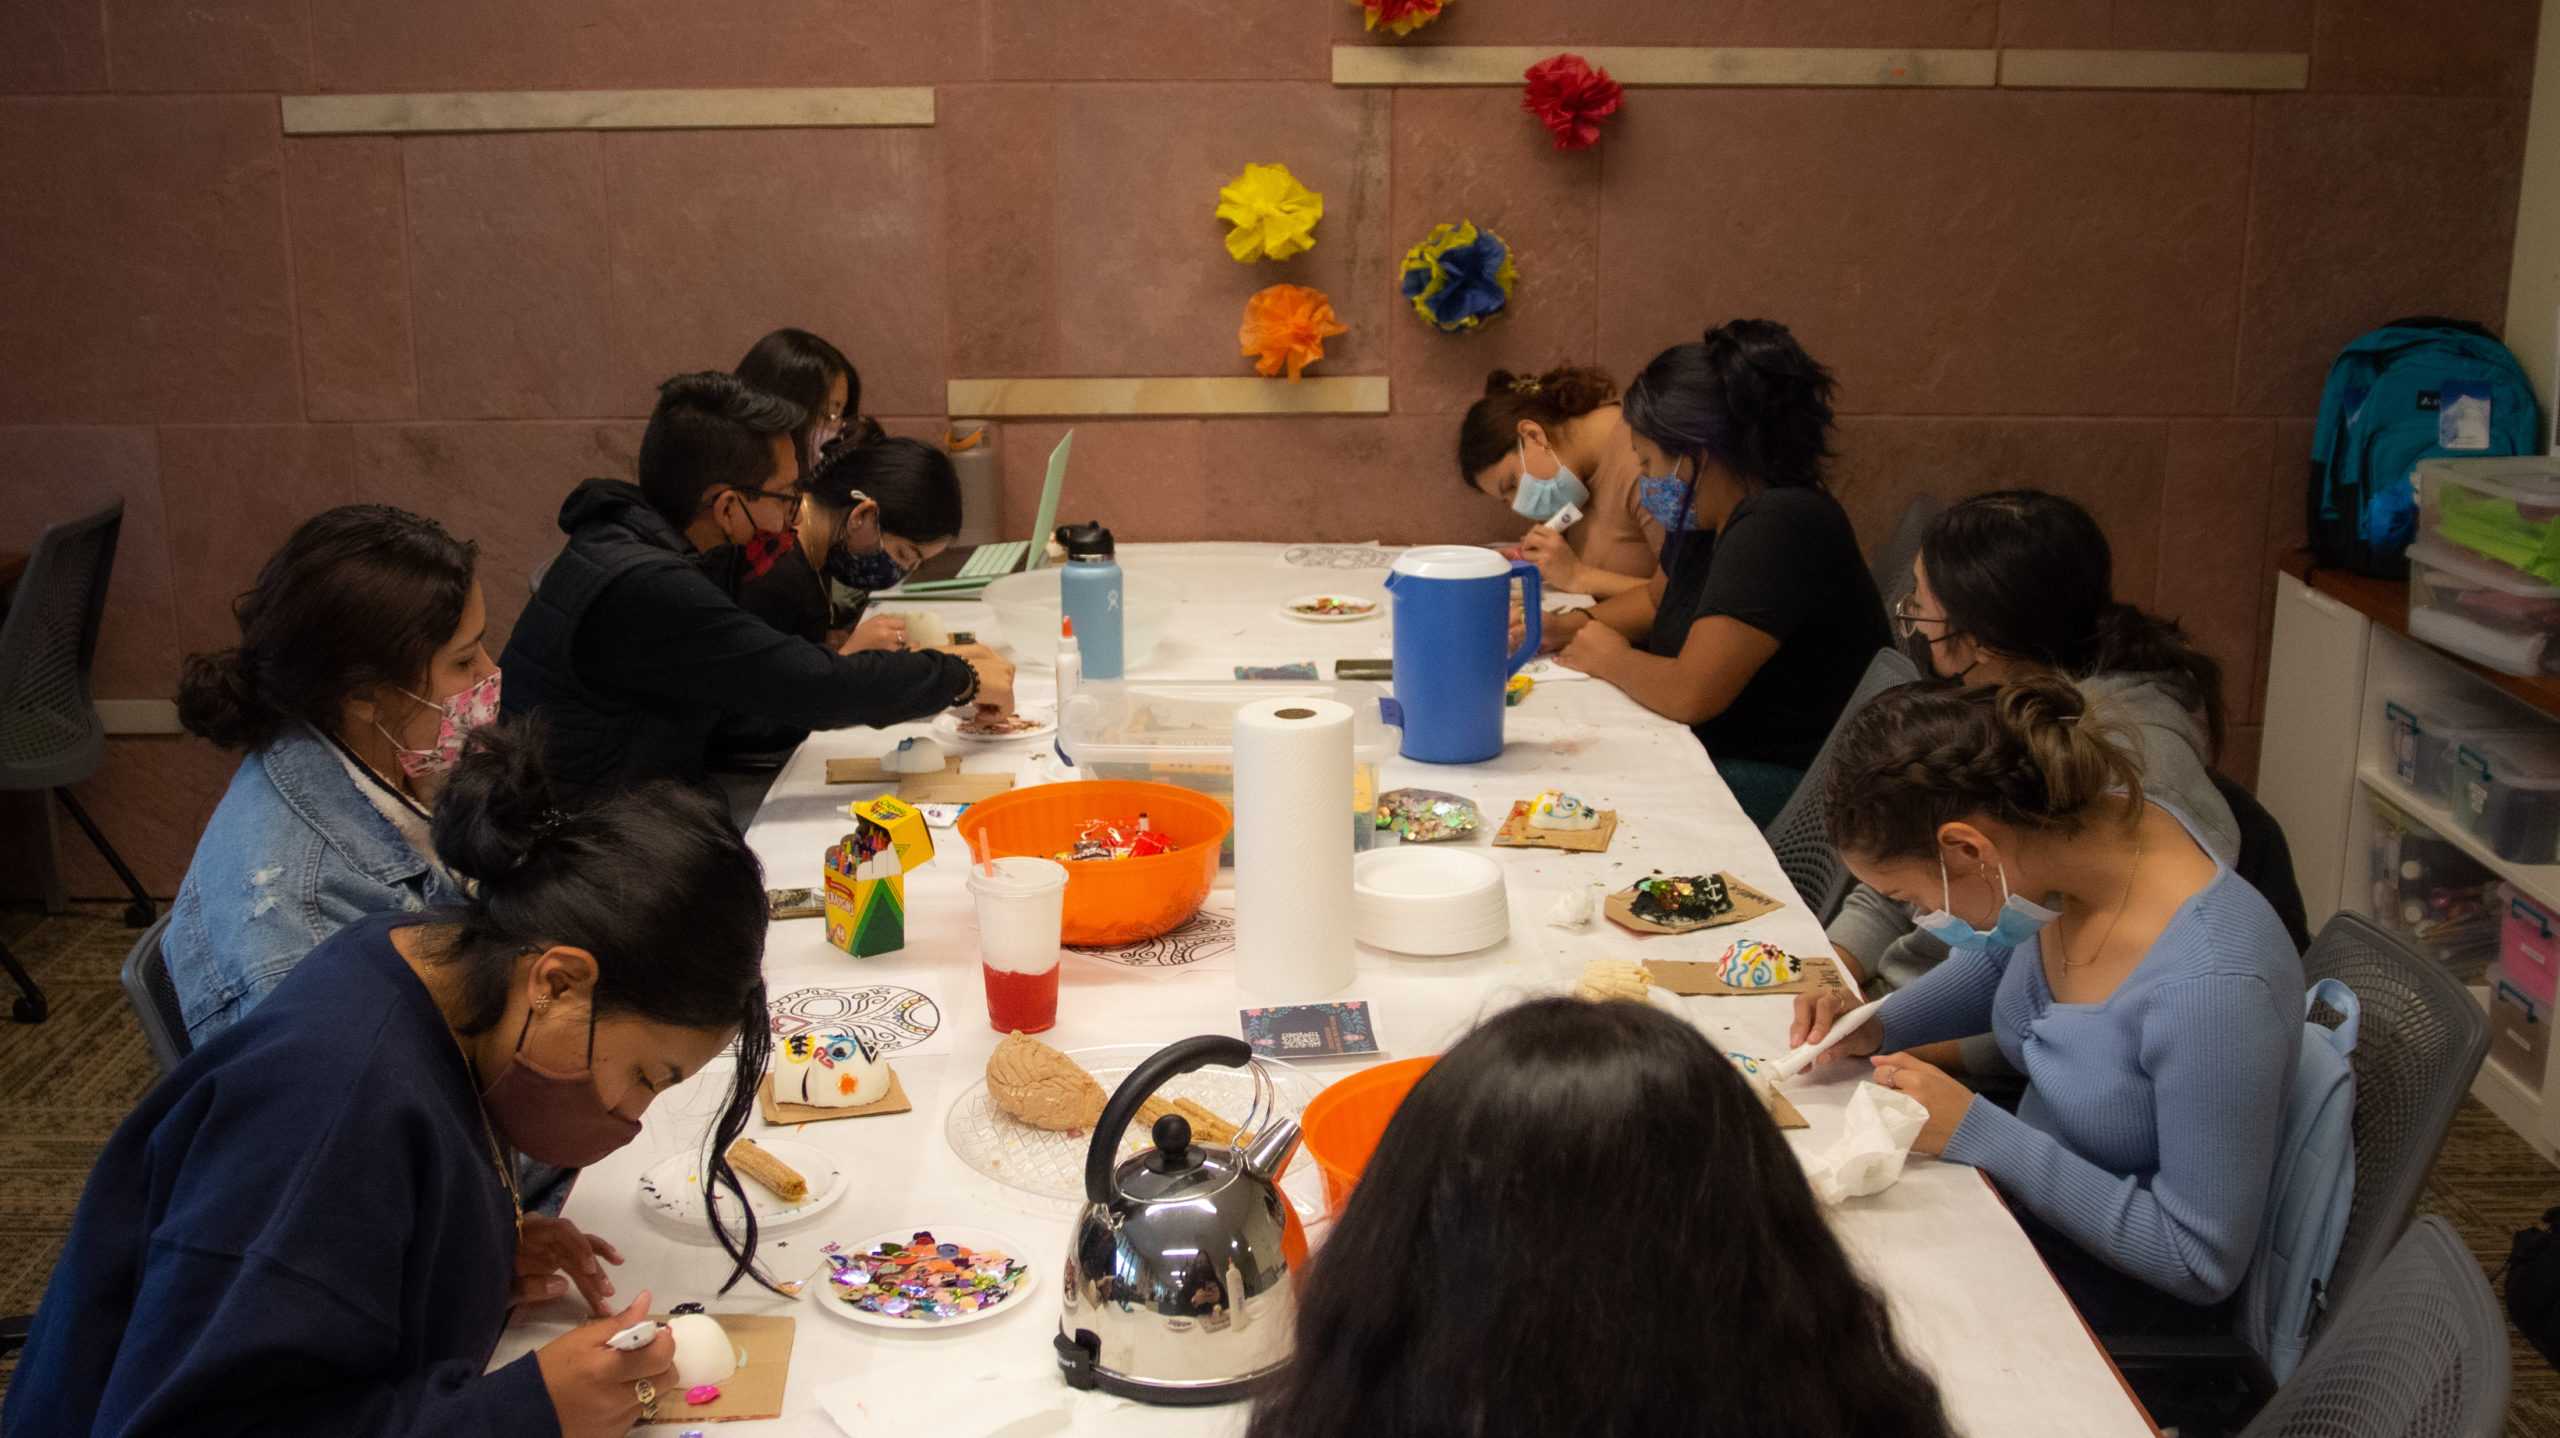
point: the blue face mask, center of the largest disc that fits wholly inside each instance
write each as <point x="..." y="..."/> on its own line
<point x="1539" y="500"/>
<point x="1665" y="498"/>
<point x="2018" y="921"/>
<point x="869" y="573"/>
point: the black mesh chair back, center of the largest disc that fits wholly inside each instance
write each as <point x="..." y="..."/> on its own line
<point x="1799" y="834"/>
<point x="2420" y="1352"/>
<point x="2418" y="1047"/>
<point x="49" y="731"/>
<point x="154" y="998"/>
<point x="1891" y="565"/>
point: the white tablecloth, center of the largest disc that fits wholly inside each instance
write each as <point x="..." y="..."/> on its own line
<point x="1967" y="1292"/>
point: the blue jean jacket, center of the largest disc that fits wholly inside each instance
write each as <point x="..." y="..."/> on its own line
<point x="295" y="852"/>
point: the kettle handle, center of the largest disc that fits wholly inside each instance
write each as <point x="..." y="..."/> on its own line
<point x="1165" y="1064"/>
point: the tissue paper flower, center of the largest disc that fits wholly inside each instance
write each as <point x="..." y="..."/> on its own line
<point x="1400" y="17"/>
<point x="1459" y="276"/>
<point x="1571" y="98"/>
<point x="1274" y="216"/>
<point x="1287" y="325"/>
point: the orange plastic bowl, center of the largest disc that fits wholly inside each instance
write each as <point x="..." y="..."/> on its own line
<point x="1115" y="901"/>
<point x="1343" y="1124"/>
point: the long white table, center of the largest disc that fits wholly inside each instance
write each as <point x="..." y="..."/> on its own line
<point x="1968" y="1294"/>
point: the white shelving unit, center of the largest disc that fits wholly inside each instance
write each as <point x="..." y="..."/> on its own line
<point x="2327" y="755"/>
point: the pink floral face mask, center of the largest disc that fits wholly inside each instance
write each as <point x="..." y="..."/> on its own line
<point x="464" y="712"/>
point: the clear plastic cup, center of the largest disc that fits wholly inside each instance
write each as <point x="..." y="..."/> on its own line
<point x="1021" y="907"/>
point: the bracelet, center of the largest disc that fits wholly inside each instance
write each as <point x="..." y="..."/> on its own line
<point x="969" y="695"/>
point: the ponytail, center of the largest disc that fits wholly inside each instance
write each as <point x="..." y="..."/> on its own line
<point x="685" y="947"/>
<point x="2128" y="641"/>
<point x="1491" y="428"/>
<point x="2031" y="755"/>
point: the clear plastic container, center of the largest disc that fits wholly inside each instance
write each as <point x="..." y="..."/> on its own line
<point x="2529" y="946"/>
<point x="2425" y="732"/>
<point x="2510" y="795"/>
<point x="2502" y="510"/>
<point x="2431" y="893"/>
<point x="2483" y="610"/>
<point x="1183" y="732"/>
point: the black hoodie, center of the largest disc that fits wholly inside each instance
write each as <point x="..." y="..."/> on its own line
<point x="631" y="655"/>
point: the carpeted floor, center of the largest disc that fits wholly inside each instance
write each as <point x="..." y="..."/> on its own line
<point x="64" y="1084"/>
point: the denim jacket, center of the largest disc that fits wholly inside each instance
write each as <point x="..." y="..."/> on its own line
<point x="294" y="853"/>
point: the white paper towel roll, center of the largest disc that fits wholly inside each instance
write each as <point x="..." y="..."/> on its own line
<point x="1293" y="848"/>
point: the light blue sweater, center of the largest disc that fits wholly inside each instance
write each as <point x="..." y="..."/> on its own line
<point x="2149" y="1128"/>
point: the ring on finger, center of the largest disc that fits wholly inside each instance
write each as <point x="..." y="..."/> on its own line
<point x="647" y="1393"/>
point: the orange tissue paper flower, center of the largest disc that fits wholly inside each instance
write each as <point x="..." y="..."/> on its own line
<point x="1287" y="325"/>
<point x="1400" y="17"/>
<point x="1571" y="98"/>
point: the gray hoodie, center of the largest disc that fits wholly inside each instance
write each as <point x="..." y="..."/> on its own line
<point x="1894" y="952"/>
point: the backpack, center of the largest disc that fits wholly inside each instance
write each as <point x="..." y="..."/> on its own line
<point x="2384" y="408"/>
<point x="2287" y="1289"/>
<point x="2533" y="1285"/>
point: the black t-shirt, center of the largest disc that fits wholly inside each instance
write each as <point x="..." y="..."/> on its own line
<point x="1787" y="564"/>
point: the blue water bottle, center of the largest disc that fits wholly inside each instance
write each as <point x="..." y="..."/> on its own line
<point x="1089" y="587"/>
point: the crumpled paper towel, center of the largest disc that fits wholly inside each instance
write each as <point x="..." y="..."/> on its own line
<point x="1867" y="1156"/>
<point x="1573" y="908"/>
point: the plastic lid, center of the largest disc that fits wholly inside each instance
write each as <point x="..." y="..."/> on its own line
<point x="2472" y="567"/>
<point x="1019" y="876"/>
<point x="1191" y="723"/>
<point x="1451" y="561"/>
<point x="2523" y="761"/>
<point x="1085" y="541"/>
<point x="2455" y="713"/>
<point x="2530" y="479"/>
<point x="1067" y="627"/>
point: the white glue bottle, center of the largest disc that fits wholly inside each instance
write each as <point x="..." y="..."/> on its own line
<point x="1070" y="677"/>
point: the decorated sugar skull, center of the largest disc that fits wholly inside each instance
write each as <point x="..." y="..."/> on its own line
<point x="829" y="1069"/>
<point x="1751" y="964"/>
<point x="1555" y="809"/>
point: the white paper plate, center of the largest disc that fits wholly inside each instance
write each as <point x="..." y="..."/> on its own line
<point x="672" y="1190"/>
<point x="1290" y="609"/>
<point x="947" y="726"/>
<point x="824" y="1293"/>
<point x="1429" y="900"/>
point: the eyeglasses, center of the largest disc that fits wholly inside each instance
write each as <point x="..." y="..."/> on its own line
<point x="793" y="497"/>
<point x="1907" y="624"/>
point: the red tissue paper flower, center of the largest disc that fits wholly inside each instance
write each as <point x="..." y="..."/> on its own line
<point x="1400" y="17"/>
<point x="1571" y="99"/>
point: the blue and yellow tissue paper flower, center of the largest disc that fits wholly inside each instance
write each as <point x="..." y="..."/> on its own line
<point x="1459" y="276"/>
<point x="1273" y="215"/>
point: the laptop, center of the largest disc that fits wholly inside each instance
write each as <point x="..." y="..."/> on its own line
<point x="963" y="570"/>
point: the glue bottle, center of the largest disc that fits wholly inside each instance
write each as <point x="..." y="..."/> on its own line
<point x="1089" y="592"/>
<point x="1070" y="678"/>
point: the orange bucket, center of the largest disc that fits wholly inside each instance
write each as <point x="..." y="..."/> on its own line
<point x="1343" y="1124"/>
<point x="1110" y="901"/>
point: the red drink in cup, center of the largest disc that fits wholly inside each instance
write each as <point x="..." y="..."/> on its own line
<point x="1021" y="904"/>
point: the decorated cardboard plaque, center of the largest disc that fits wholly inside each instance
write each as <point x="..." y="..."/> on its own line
<point x="780" y="1114"/>
<point x="948" y="787"/>
<point x="1708" y="977"/>
<point x="1755" y="1070"/>
<point x="754" y="1391"/>
<point x="1517" y="832"/>
<point x="1745" y="903"/>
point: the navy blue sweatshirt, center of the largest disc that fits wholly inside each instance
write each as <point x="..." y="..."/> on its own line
<point x="299" y="1232"/>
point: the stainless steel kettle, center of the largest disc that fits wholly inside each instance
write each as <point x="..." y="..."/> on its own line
<point x="1180" y="1278"/>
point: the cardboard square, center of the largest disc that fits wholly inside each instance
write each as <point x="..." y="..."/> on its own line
<point x="948" y="787"/>
<point x="1518" y="833"/>
<point x="779" y="1114"/>
<point x="754" y="1391"/>
<point x="1697" y="979"/>
<point x="1748" y="903"/>
<point x="1786" y="1114"/>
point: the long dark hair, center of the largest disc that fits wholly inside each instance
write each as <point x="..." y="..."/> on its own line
<point x="801" y="367"/>
<point x="684" y="947"/>
<point x="1491" y="428"/>
<point x="1581" y="1221"/>
<point x="2029" y="574"/>
<point x="2030" y="754"/>
<point x="913" y="483"/>
<point x="360" y="595"/>
<point x="1746" y="396"/>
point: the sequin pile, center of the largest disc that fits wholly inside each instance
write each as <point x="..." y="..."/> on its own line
<point x="1426" y="816"/>
<point x="922" y="1280"/>
<point x="1690" y="899"/>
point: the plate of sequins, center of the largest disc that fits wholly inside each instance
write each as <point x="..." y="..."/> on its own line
<point x="923" y="1278"/>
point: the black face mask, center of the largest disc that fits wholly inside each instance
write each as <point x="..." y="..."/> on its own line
<point x="1922" y="653"/>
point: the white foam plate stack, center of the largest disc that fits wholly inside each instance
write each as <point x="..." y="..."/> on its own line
<point x="1428" y="899"/>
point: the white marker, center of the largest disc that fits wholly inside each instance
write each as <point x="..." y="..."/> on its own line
<point x="1804" y="1055"/>
<point x="638" y="1336"/>
<point x="1562" y="520"/>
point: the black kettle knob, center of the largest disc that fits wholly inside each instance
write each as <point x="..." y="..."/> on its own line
<point x="1173" y="1144"/>
<point x="1155" y="1071"/>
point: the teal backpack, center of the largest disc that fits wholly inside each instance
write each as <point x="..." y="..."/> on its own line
<point x="2314" y="1189"/>
<point x="2414" y="389"/>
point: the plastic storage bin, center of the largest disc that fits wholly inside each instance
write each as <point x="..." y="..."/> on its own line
<point x="2529" y="946"/>
<point x="2431" y="893"/>
<point x="2505" y="511"/>
<point x="2519" y="1033"/>
<point x="2483" y="610"/>
<point x="2425" y="732"/>
<point x="2509" y="795"/>
<point x="1183" y="732"/>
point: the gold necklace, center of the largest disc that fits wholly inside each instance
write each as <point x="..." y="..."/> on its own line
<point x="2122" y="899"/>
<point x="497" y="1150"/>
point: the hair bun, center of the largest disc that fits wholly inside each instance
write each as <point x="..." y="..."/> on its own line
<point x="1501" y="382"/>
<point x="498" y="806"/>
<point x="218" y="700"/>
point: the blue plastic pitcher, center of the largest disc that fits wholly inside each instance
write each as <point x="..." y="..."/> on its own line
<point x="1452" y="616"/>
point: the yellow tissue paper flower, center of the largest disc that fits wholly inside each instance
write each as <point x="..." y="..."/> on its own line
<point x="1274" y="216"/>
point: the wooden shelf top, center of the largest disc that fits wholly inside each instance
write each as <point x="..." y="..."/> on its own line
<point x="2386" y="602"/>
